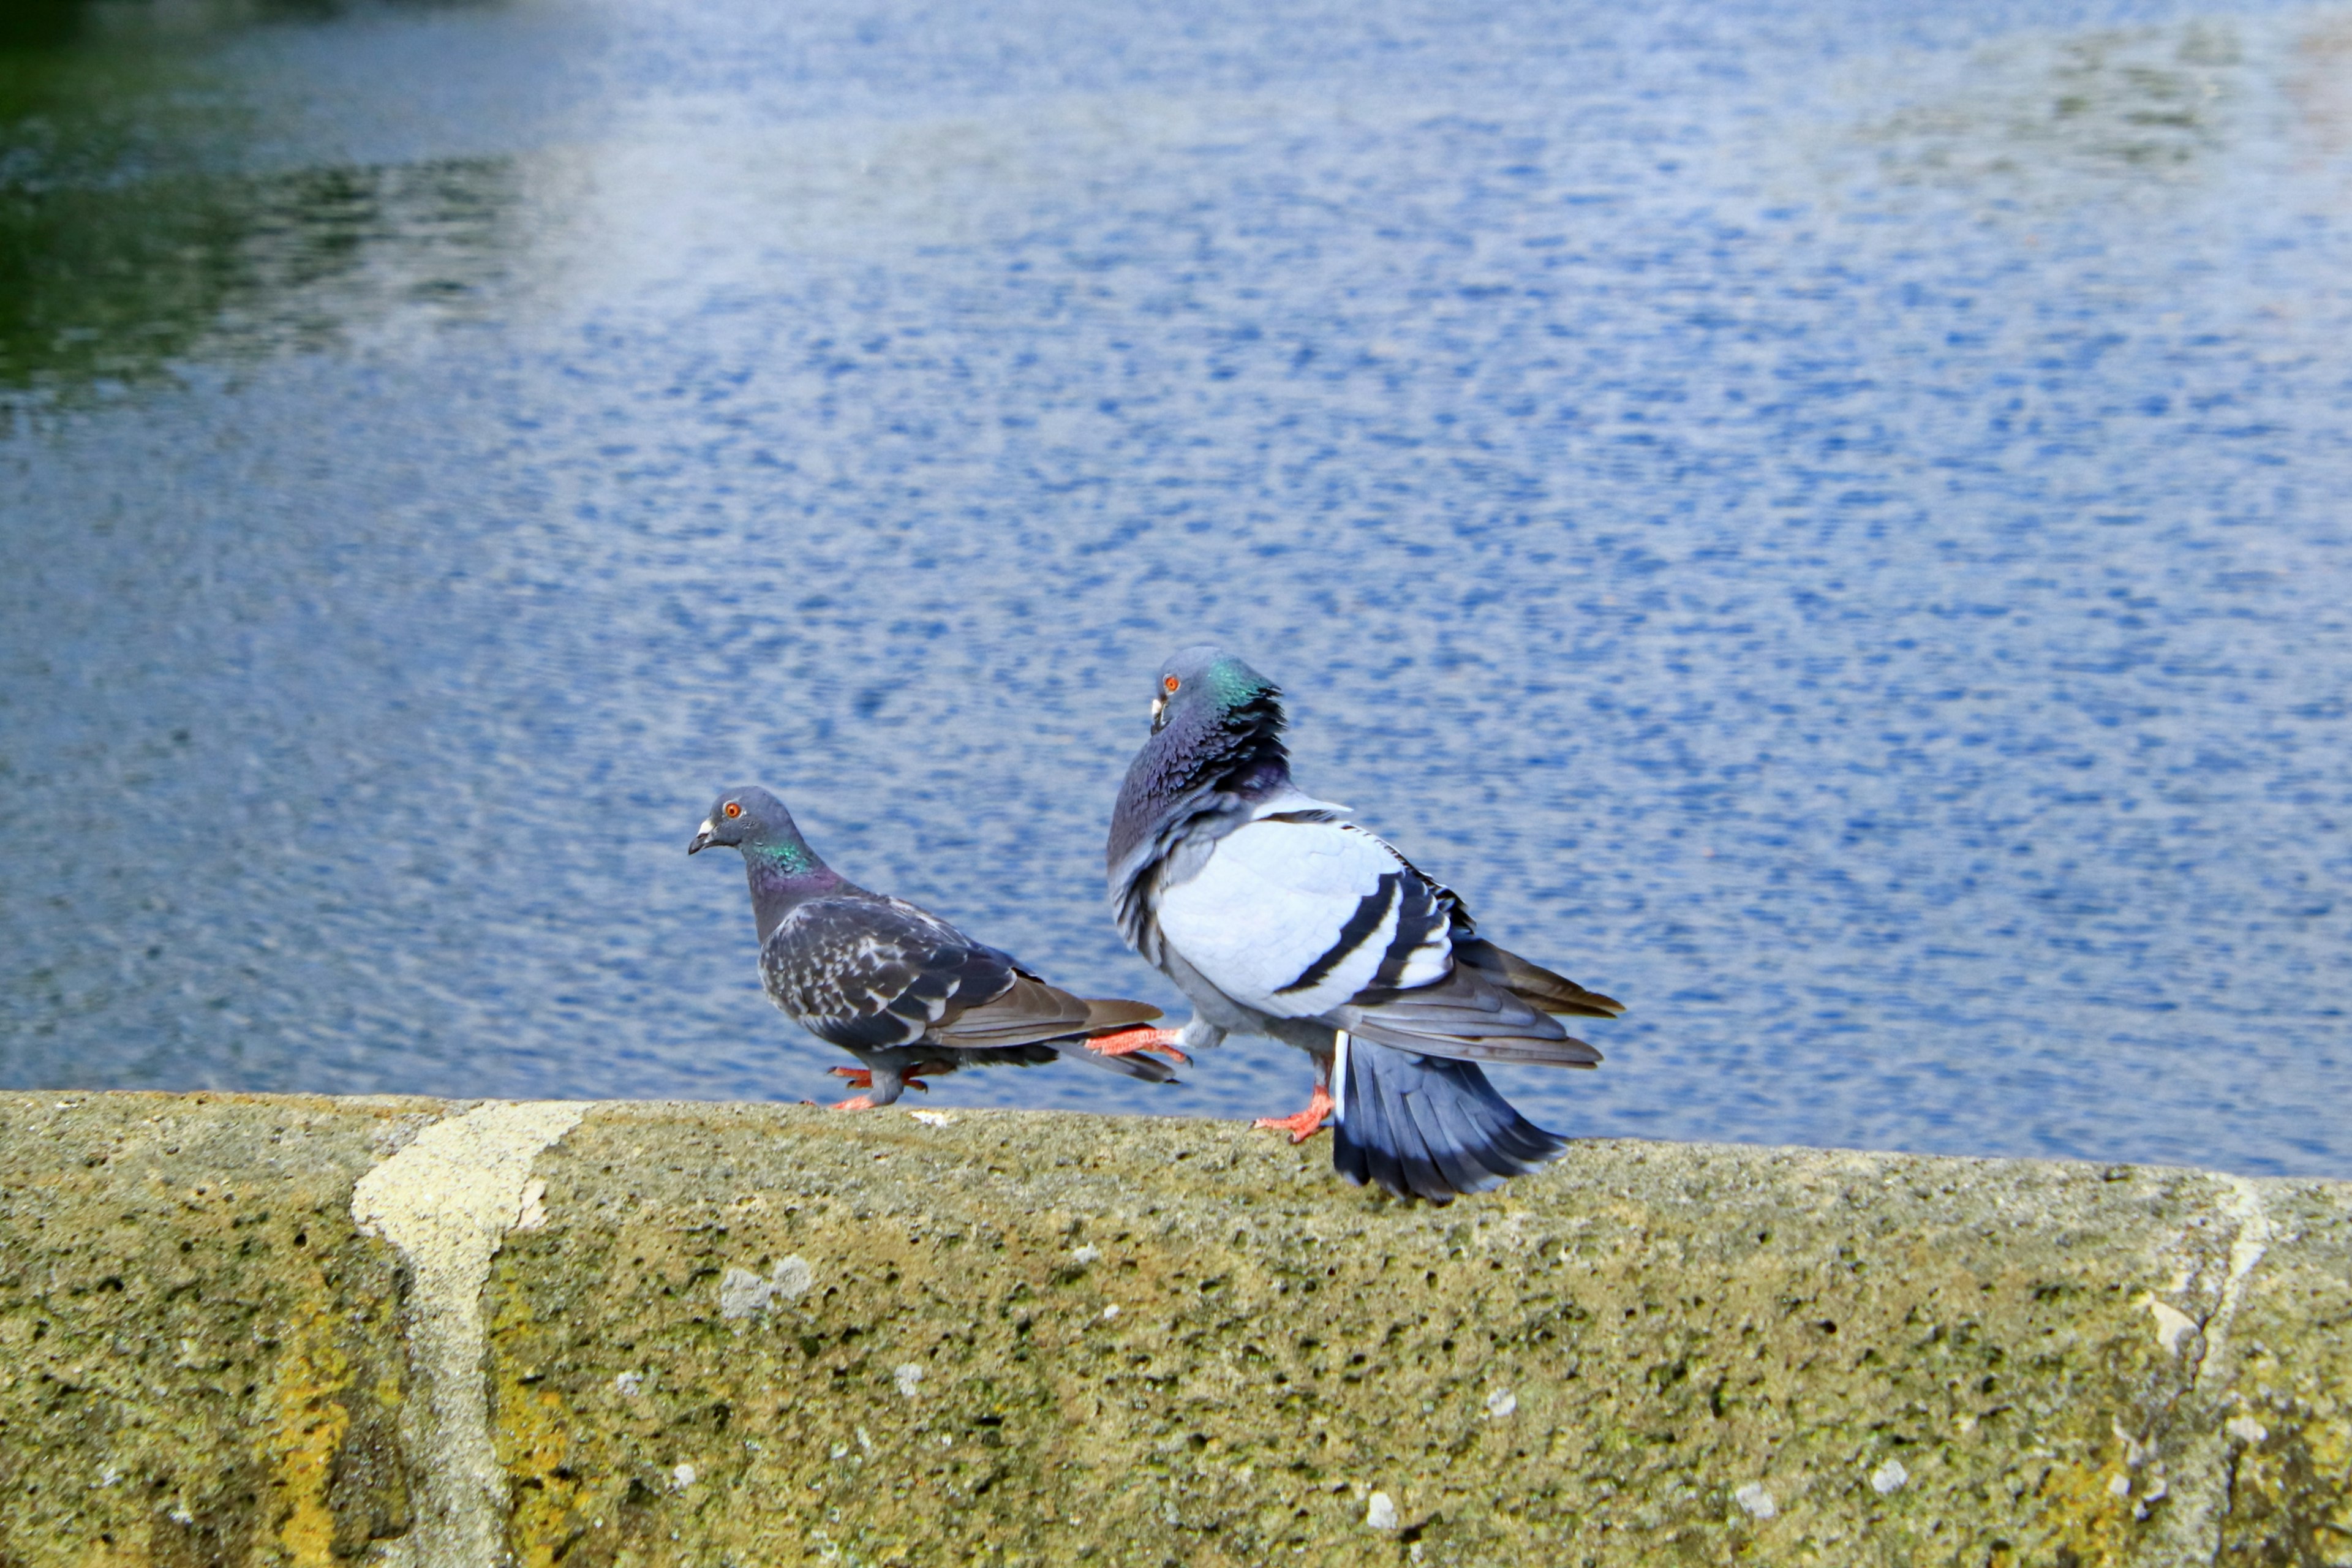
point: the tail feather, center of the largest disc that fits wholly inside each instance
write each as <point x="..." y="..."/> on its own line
<point x="1442" y="1136"/>
<point x="1151" y="1069"/>
<point x="1106" y="1013"/>
<point x="1384" y="1026"/>
<point x="1429" y="1127"/>
<point x="1471" y="1015"/>
<point x="1400" y="1162"/>
<point x="1533" y="984"/>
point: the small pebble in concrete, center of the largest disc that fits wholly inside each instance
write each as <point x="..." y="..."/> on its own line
<point x="2120" y="1486"/>
<point x="683" y="1476"/>
<point x="1888" y="1477"/>
<point x="630" y="1383"/>
<point x="1086" y="1253"/>
<point x="2246" y="1429"/>
<point x="1502" y="1404"/>
<point x="1380" y="1513"/>
<point x="1755" y="1500"/>
<point x="909" y="1379"/>
<point x="1110" y="1311"/>
<point x="933" y="1117"/>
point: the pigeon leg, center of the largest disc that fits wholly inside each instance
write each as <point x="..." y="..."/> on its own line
<point x="859" y="1077"/>
<point x="1309" y="1121"/>
<point x="1142" y="1038"/>
<point x="880" y="1082"/>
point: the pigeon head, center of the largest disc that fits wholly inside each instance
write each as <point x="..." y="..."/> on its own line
<point x="1210" y="687"/>
<point x="1216" y="740"/>
<point x="752" y="820"/>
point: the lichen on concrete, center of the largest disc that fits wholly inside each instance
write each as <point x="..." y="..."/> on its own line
<point x="760" y="1335"/>
<point x="199" y="1357"/>
<point x="1676" y="1326"/>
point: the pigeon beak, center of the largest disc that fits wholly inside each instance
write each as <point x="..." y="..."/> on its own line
<point x="701" y="840"/>
<point x="1159" y="709"/>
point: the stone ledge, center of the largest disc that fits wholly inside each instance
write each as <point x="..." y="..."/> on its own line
<point x="260" y="1330"/>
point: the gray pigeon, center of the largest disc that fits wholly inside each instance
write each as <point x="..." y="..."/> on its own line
<point x="900" y="988"/>
<point x="1277" y="916"/>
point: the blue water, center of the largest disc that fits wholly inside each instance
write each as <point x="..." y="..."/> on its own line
<point x="1826" y="523"/>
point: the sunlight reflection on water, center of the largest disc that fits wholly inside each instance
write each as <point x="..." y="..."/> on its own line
<point x="1823" y="527"/>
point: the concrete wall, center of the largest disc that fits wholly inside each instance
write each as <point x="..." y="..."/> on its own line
<point x="260" y="1330"/>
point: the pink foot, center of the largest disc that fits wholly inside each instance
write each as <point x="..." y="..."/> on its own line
<point x="1306" y="1123"/>
<point x="855" y="1102"/>
<point x="1142" y="1038"/>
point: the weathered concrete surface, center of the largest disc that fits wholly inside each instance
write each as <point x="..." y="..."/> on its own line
<point x="760" y="1335"/>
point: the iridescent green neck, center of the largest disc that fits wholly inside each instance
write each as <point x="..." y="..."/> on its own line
<point x="783" y="875"/>
<point x="1235" y="683"/>
<point x="788" y="859"/>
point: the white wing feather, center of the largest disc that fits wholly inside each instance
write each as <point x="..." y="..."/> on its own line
<point x="1275" y="898"/>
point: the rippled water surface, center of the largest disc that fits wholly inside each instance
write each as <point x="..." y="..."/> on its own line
<point x="1828" y="525"/>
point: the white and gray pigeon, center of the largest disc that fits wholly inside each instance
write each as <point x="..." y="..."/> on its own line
<point x="1277" y="916"/>
<point x="900" y="988"/>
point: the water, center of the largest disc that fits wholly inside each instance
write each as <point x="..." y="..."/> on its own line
<point x="1822" y="523"/>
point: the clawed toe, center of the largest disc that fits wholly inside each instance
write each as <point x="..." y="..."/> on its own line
<point x="1304" y="1125"/>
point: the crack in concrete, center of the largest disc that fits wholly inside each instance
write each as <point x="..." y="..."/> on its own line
<point x="446" y="1201"/>
<point x="2203" y="1460"/>
<point x="2247" y="1248"/>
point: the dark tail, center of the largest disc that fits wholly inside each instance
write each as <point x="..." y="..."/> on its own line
<point x="1151" y="1069"/>
<point x="1534" y="984"/>
<point x="1428" y="1127"/>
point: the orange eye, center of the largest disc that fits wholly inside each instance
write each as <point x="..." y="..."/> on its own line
<point x="733" y="809"/>
<point x="1169" y="684"/>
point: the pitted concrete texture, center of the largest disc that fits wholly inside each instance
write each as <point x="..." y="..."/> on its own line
<point x="201" y="1359"/>
<point x="762" y="1336"/>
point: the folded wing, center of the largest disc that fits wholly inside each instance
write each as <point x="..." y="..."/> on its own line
<point x="869" y="974"/>
<point x="1296" y="918"/>
<point x="1316" y="918"/>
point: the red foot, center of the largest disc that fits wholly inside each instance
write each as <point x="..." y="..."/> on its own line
<point x="1306" y="1123"/>
<point x="1142" y="1038"/>
<point x="857" y="1102"/>
<point x="859" y="1077"/>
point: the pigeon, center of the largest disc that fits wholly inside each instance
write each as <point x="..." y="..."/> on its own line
<point x="897" y="987"/>
<point x="1276" y="915"/>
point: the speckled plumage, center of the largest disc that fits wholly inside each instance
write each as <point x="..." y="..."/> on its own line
<point x="893" y="984"/>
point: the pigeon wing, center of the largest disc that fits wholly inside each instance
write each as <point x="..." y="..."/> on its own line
<point x="1026" y="1010"/>
<point x="869" y="974"/>
<point x="1294" y="918"/>
<point x="1314" y="919"/>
